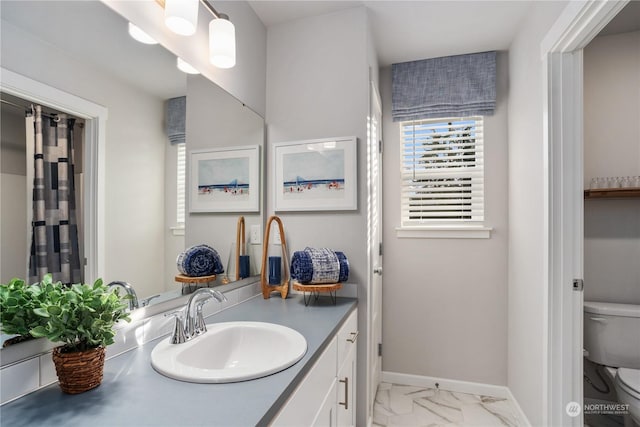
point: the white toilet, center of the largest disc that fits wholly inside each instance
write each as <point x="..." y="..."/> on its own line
<point x="612" y="339"/>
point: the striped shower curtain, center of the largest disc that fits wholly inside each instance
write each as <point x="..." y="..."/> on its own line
<point x="54" y="241"/>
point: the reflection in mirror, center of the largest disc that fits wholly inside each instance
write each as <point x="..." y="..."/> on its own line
<point x="83" y="49"/>
<point x="217" y="120"/>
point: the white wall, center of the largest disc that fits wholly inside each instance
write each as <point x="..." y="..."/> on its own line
<point x="612" y="148"/>
<point x="445" y="300"/>
<point x="527" y="281"/>
<point x="13" y="193"/>
<point x="317" y="87"/>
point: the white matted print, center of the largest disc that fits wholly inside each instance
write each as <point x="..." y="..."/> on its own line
<point x="225" y="180"/>
<point x="316" y="175"/>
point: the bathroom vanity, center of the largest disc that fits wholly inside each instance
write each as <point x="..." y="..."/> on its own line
<point x="134" y="394"/>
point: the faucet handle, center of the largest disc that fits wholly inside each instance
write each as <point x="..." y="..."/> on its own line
<point x="200" y="327"/>
<point x="219" y="296"/>
<point x="178" y="336"/>
<point x="145" y="302"/>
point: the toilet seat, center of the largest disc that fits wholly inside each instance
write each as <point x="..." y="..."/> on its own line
<point x="629" y="381"/>
<point x="610" y="372"/>
<point x="627" y="386"/>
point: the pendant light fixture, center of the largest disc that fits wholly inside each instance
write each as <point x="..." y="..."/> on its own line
<point x="222" y="42"/>
<point x="185" y="67"/>
<point x="139" y="35"/>
<point x="181" y="16"/>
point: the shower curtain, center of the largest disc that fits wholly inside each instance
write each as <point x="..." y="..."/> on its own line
<point x="54" y="239"/>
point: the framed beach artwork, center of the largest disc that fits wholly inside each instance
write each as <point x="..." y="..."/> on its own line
<point x="225" y="179"/>
<point x="315" y="175"/>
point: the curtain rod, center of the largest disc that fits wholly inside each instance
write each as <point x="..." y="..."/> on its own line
<point x="30" y="109"/>
<point x="4" y="101"/>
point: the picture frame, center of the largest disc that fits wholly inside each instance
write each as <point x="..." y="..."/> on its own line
<point x="225" y="179"/>
<point x="315" y="175"/>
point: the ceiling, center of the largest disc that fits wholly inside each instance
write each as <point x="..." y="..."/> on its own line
<point x="403" y="31"/>
<point x="411" y="30"/>
<point x="418" y="29"/>
<point x="627" y="20"/>
<point x="274" y="12"/>
<point x="91" y="33"/>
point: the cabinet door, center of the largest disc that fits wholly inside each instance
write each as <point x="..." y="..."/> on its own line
<point x="302" y="407"/>
<point x="346" y="391"/>
<point x="327" y="414"/>
<point x="347" y="337"/>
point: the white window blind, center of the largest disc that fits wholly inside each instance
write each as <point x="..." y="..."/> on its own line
<point x="181" y="184"/>
<point x="442" y="172"/>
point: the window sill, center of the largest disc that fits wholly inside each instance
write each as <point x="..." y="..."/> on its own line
<point x="444" y="232"/>
<point x="177" y="231"/>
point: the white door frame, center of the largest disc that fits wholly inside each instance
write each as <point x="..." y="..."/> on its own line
<point x="561" y="52"/>
<point x="94" y="157"/>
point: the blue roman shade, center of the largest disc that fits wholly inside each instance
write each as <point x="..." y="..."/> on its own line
<point x="451" y="86"/>
<point x="175" y="119"/>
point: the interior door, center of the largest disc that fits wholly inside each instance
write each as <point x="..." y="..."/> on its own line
<point x="375" y="230"/>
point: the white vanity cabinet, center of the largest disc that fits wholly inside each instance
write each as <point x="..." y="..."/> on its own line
<point x="326" y="395"/>
<point x="346" y="371"/>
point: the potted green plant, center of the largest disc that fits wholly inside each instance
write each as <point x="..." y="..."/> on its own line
<point x="82" y="317"/>
<point x="18" y="300"/>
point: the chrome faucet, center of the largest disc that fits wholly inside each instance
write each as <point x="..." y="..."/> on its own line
<point x="194" y="321"/>
<point x="133" y="299"/>
<point x="145" y="302"/>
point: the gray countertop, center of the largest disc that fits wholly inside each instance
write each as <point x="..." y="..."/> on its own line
<point x="134" y="394"/>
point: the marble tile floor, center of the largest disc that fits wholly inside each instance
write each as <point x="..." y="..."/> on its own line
<point x="401" y="405"/>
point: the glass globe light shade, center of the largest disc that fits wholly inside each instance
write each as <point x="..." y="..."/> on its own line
<point x="222" y="43"/>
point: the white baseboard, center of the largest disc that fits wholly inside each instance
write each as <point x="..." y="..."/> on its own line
<point x="520" y="413"/>
<point x="457" y="386"/>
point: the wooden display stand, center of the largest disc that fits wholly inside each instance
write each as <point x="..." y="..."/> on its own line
<point x="188" y="282"/>
<point x="240" y="244"/>
<point x="283" y="288"/>
<point x="316" y="290"/>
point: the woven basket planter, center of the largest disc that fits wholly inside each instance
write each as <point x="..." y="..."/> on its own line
<point x="79" y="371"/>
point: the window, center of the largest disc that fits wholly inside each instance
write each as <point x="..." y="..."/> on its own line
<point x="181" y="184"/>
<point x="442" y="172"/>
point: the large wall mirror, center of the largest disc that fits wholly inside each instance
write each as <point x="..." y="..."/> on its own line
<point x="83" y="48"/>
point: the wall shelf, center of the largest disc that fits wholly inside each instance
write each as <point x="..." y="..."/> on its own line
<point x="612" y="193"/>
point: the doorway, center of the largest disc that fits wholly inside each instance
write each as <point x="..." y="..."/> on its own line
<point x="563" y="89"/>
<point x="17" y="170"/>
<point x="611" y="205"/>
<point x="94" y="117"/>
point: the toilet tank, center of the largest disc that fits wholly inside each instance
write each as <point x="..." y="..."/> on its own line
<point x="612" y="334"/>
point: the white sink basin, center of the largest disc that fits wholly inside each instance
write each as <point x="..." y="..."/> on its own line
<point x="230" y="352"/>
